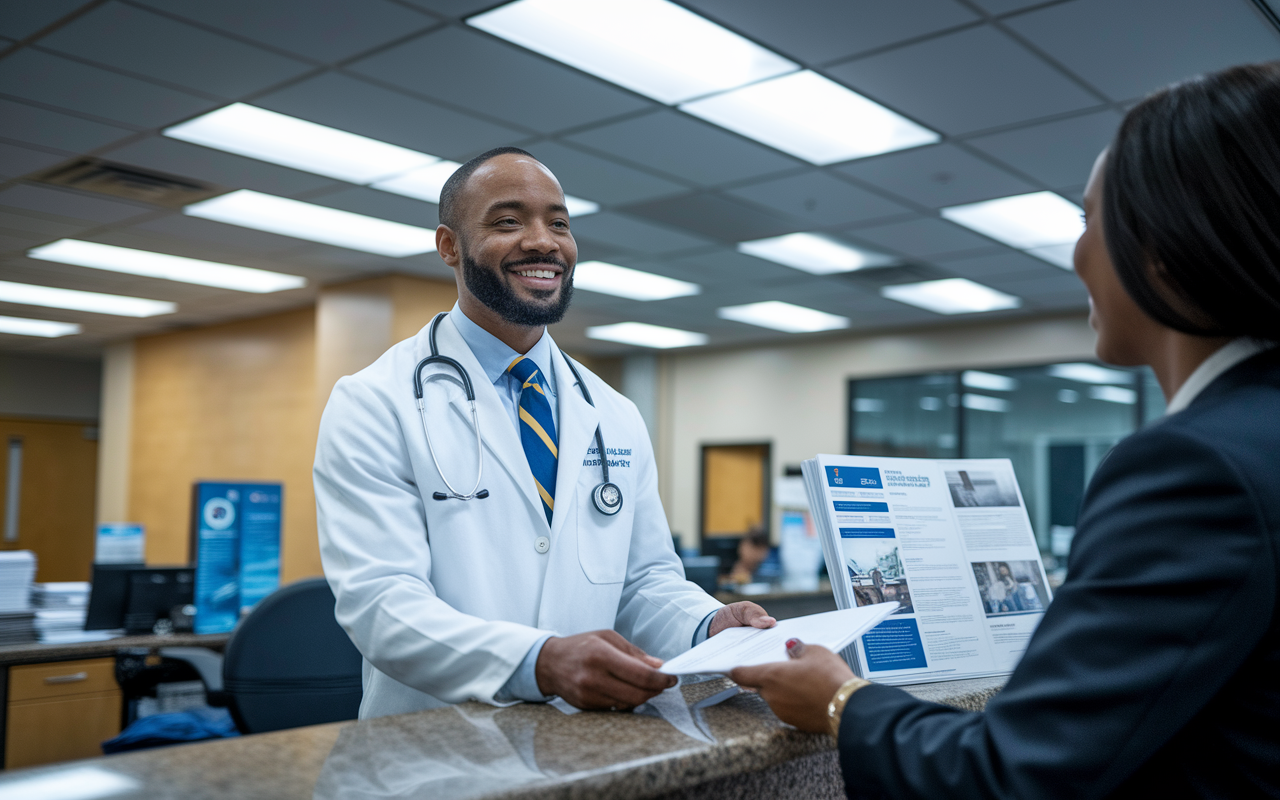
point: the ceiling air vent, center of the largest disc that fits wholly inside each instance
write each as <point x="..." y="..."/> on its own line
<point x="131" y="183"/>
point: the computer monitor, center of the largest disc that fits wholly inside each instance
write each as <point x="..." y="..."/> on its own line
<point x="726" y="547"/>
<point x="107" y="596"/>
<point x="153" y="593"/>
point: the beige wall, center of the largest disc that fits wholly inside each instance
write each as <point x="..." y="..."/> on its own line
<point x="794" y="395"/>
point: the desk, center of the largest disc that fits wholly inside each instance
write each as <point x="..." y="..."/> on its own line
<point x="96" y="697"/>
<point x="736" y="749"/>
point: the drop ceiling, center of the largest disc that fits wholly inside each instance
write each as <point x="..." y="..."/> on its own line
<point x="1023" y="95"/>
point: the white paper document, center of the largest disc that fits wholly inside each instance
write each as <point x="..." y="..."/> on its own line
<point x="748" y="647"/>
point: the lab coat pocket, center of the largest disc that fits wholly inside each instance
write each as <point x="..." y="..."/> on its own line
<point x="604" y="542"/>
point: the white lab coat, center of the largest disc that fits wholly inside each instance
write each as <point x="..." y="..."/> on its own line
<point x="445" y="598"/>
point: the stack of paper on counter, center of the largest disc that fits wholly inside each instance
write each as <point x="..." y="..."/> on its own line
<point x="951" y="542"/>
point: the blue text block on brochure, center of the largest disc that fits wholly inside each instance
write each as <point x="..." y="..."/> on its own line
<point x="894" y="644"/>
<point x="866" y="533"/>
<point x="859" y="506"/>
<point x="259" y="542"/>
<point x="217" y="523"/>
<point x="854" y="477"/>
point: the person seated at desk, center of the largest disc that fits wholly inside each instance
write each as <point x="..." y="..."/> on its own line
<point x="554" y="574"/>
<point x="1156" y="670"/>
<point x="753" y="549"/>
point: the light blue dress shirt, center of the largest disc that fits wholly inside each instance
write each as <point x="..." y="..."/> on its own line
<point x="495" y="356"/>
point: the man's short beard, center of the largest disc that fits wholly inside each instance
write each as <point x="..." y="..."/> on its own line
<point x="489" y="288"/>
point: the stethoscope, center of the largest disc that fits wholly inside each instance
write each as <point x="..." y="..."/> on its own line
<point x="606" y="497"/>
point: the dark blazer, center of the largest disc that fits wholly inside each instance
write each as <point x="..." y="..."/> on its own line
<point x="1157" y="666"/>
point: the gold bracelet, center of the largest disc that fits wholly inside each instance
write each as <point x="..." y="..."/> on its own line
<point x="835" y="709"/>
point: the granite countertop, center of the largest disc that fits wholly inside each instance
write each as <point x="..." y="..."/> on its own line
<point x="673" y="747"/>
<point x="34" y="652"/>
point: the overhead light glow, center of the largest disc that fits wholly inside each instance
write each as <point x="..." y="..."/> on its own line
<point x="598" y="276"/>
<point x="75" y="783"/>
<point x="578" y="207"/>
<point x="645" y="335"/>
<point x="988" y="380"/>
<point x="161" y="265"/>
<point x="424" y="183"/>
<point x="653" y="47"/>
<point x="1068" y="396"/>
<point x="783" y="317"/>
<point x="1114" y="394"/>
<point x="46" y="328"/>
<point x="981" y="402"/>
<point x="951" y="296"/>
<point x="280" y="215"/>
<point x="811" y="117"/>
<point x="291" y="142"/>
<point x="76" y="300"/>
<point x="868" y="405"/>
<point x="1043" y="224"/>
<point x="813" y="253"/>
<point x="1090" y="373"/>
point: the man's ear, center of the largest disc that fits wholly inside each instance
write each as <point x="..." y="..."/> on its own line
<point x="447" y="246"/>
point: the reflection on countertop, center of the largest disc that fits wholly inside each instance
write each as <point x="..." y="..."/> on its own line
<point x="671" y="747"/>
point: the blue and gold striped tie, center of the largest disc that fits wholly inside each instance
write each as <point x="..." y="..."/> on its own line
<point x="537" y="430"/>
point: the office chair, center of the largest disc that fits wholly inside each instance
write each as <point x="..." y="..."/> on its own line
<point x="287" y="664"/>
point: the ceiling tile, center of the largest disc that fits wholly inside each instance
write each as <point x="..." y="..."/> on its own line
<point x="1029" y="287"/>
<point x="818" y="31"/>
<point x="207" y="233"/>
<point x="622" y="231"/>
<point x="819" y="200"/>
<point x="20" y="20"/>
<point x="45" y="78"/>
<point x="453" y="8"/>
<point x="1005" y="6"/>
<point x="942" y="175"/>
<point x="19" y="223"/>
<point x="924" y="237"/>
<point x="715" y="216"/>
<point x="186" y="160"/>
<point x="682" y="146"/>
<point x="1146" y="44"/>
<point x="601" y="180"/>
<point x="479" y="72"/>
<point x="350" y="104"/>
<point x="322" y="30"/>
<point x="965" y="81"/>
<point x="17" y="161"/>
<point x="721" y="266"/>
<point x="46" y="128"/>
<point x="1056" y="153"/>
<point x="1007" y="264"/>
<point x="148" y="44"/>
<point x="67" y="203"/>
<point x="380" y="204"/>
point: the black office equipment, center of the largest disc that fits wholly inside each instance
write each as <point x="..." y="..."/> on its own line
<point x="726" y="547"/>
<point x="153" y="593"/>
<point x="704" y="571"/>
<point x="107" y="596"/>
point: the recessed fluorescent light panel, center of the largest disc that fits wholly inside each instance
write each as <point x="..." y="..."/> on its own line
<point x="988" y="380"/>
<point x="45" y="328"/>
<point x="813" y="253"/>
<point x="951" y="296"/>
<point x="783" y="317"/>
<point x="653" y="47"/>
<point x="1090" y="373"/>
<point x="645" y="335"/>
<point x="291" y="142"/>
<point x="1114" y="394"/>
<point x="160" y="265"/>
<point x="811" y="117"/>
<point x="981" y="402"/>
<point x="76" y="300"/>
<point x="1043" y="224"/>
<point x="287" y="217"/>
<point x="426" y="183"/>
<point x="633" y="284"/>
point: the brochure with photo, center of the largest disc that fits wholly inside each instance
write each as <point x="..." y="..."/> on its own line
<point x="948" y="540"/>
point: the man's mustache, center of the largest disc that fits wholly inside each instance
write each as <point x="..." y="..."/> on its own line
<point x="536" y="260"/>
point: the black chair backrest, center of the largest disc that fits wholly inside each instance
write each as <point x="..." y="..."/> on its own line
<point x="289" y="663"/>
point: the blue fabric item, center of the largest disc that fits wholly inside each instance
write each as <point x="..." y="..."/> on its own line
<point x="523" y="683"/>
<point x="495" y="356"/>
<point x="159" y="730"/>
<point x="537" y="430"/>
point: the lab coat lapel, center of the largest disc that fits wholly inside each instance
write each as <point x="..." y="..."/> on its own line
<point x="577" y="431"/>
<point x="499" y="435"/>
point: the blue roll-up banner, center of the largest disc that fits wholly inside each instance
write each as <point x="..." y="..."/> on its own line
<point x="236" y="530"/>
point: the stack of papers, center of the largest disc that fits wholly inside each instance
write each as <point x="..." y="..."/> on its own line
<point x="17" y="628"/>
<point x="60" y="610"/>
<point x="17" y="572"/>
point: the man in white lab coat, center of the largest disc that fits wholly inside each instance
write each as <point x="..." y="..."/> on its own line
<point x="530" y="591"/>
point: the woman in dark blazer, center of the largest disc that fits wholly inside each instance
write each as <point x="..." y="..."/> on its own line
<point x="1156" y="670"/>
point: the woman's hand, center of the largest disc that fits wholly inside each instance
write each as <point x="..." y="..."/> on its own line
<point x="799" y="689"/>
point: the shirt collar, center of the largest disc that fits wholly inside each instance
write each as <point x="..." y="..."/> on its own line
<point x="1226" y="357"/>
<point x="495" y="355"/>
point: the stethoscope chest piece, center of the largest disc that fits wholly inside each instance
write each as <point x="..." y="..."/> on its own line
<point x="607" y="498"/>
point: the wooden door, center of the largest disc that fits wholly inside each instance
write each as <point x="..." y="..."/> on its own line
<point x="735" y="488"/>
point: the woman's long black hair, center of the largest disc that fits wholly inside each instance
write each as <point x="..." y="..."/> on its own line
<point x="1191" y="203"/>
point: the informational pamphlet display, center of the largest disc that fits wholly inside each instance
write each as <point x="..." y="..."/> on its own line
<point x="236" y="533"/>
<point x="120" y="543"/>
<point x="951" y="542"/>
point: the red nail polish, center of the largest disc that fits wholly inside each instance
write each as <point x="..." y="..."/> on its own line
<point x="792" y="643"/>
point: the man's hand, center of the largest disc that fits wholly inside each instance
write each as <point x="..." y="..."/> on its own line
<point x="599" y="669"/>
<point x="740" y="615"/>
<point x="798" y="689"/>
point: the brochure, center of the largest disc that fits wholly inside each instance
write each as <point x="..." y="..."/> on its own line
<point x="951" y="542"/>
<point x="236" y="535"/>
